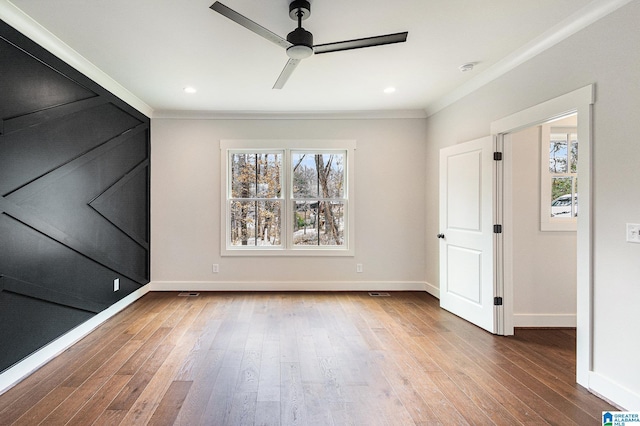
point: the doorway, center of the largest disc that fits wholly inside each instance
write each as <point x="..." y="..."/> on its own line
<point x="579" y="102"/>
<point x="543" y="181"/>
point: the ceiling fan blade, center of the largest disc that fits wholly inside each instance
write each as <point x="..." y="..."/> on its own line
<point x="249" y="24"/>
<point x="360" y="43"/>
<point x="286" y="73"/>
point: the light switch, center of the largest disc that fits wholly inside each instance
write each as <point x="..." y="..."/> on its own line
<point x="633" y="232"/>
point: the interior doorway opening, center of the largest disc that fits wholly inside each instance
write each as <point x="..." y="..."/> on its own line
<point x="579" y="101"/>
<point x="543" y="192"/>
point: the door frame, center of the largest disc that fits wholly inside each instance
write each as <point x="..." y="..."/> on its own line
<point x="579" y="101"/>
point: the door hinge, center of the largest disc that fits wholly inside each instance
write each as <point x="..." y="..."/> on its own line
<point x="497" y="301"/>
<point x="497" y="229"/>
<point x="497" y="156"/>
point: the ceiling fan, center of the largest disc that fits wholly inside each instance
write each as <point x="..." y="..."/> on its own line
<point x="299" y="42"/>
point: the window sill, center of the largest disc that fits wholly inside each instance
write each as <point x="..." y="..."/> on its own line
<point x="278" y="252"/>
<point x="569" y="225"/>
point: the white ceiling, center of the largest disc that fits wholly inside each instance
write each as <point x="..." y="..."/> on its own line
<point x="154" y="48"/>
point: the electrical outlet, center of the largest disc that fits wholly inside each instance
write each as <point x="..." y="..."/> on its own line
<point x="215" y="268"/>
<point x="633" y="233"/>
<point x="359" y="268"/>
<point x="116" y="284"/>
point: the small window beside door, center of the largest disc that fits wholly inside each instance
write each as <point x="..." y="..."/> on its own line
<point x="558" y="178"/>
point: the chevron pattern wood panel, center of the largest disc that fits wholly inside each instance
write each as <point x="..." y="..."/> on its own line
<point x="74" y="197"/>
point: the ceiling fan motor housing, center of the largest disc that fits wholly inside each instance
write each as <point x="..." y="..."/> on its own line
<point x="302" y="41"/>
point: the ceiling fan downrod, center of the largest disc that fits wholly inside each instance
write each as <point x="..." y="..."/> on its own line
<point x="299" y="14"/>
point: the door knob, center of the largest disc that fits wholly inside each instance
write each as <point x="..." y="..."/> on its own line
<point x="440" y="235"/>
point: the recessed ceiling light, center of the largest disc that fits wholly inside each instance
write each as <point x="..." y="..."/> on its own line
<point x="389" y="90"/>
<point x="190" y="89"/>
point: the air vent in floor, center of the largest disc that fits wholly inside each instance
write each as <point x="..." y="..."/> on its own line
<point x="378" y="294"/>
<point x="189" y="294"/>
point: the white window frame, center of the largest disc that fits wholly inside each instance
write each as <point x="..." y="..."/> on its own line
<point x="286" y="147"/>
<point x="548" y="223"/>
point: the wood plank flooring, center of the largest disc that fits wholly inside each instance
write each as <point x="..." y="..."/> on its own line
<point x="303" y="359"/>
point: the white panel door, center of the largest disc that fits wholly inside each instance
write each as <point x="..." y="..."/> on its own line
<point x="466" y="231"/>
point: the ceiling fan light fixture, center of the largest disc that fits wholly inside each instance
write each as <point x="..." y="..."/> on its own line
<point x="302" y="41"/>
<point x="190" y="89"/>
<point x="299" y="52"/>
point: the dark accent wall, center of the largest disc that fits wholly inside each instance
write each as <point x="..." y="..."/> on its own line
<point x="74" y="197"/>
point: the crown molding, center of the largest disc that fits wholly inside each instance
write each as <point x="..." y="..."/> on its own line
<point x="291" y="115"/>
<point x="584" y="17"/>
<point x="589" y="14"/>
<point x="22" y="22"/>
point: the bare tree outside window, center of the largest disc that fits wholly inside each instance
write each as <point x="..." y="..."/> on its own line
<point x="285" y="200"/>
<point x="255" y="210"/>
<point x="563" y="167"/>
<point x="318" y="193"/>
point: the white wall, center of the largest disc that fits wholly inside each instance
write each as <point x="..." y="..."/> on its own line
<point x="606" y="53"/>
<point x="389" y="202"/>
<point x="544" y="263"/>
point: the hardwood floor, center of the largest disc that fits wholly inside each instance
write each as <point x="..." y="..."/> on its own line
<point x="307" y="359"/>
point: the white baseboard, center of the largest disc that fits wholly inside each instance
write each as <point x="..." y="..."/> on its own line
<point x="13" y="375"/>
<point x="288" y="286"/>
<point x="623" y="398"/>
<point x="544" y="320"/>
<point x="27" y="366"/>
<point x="432" y="290"/>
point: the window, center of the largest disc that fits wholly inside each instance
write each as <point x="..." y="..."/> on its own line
<point x="318" y="198"/>
<point x="255" y="202"/>
<point x="559" y="178"/>
<point x="287" y="197"/>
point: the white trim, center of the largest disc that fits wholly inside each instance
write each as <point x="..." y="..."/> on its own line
<point x="618" y="395"/>
<point x="579" y="101"/>
<point x="507" y="236"/>
<point x="292" y="115"/>
<point x="27" y="366"/>
<point x="589" y="14"/>
<point x="584" y="17"/>
<point x="288" y="286"/>
<point x="544" y="320"/>
<point x="432" y="290"/>
<point x="538" y="114"/>
<point x="22" y="22"/>
<point x="498" y="240"/>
